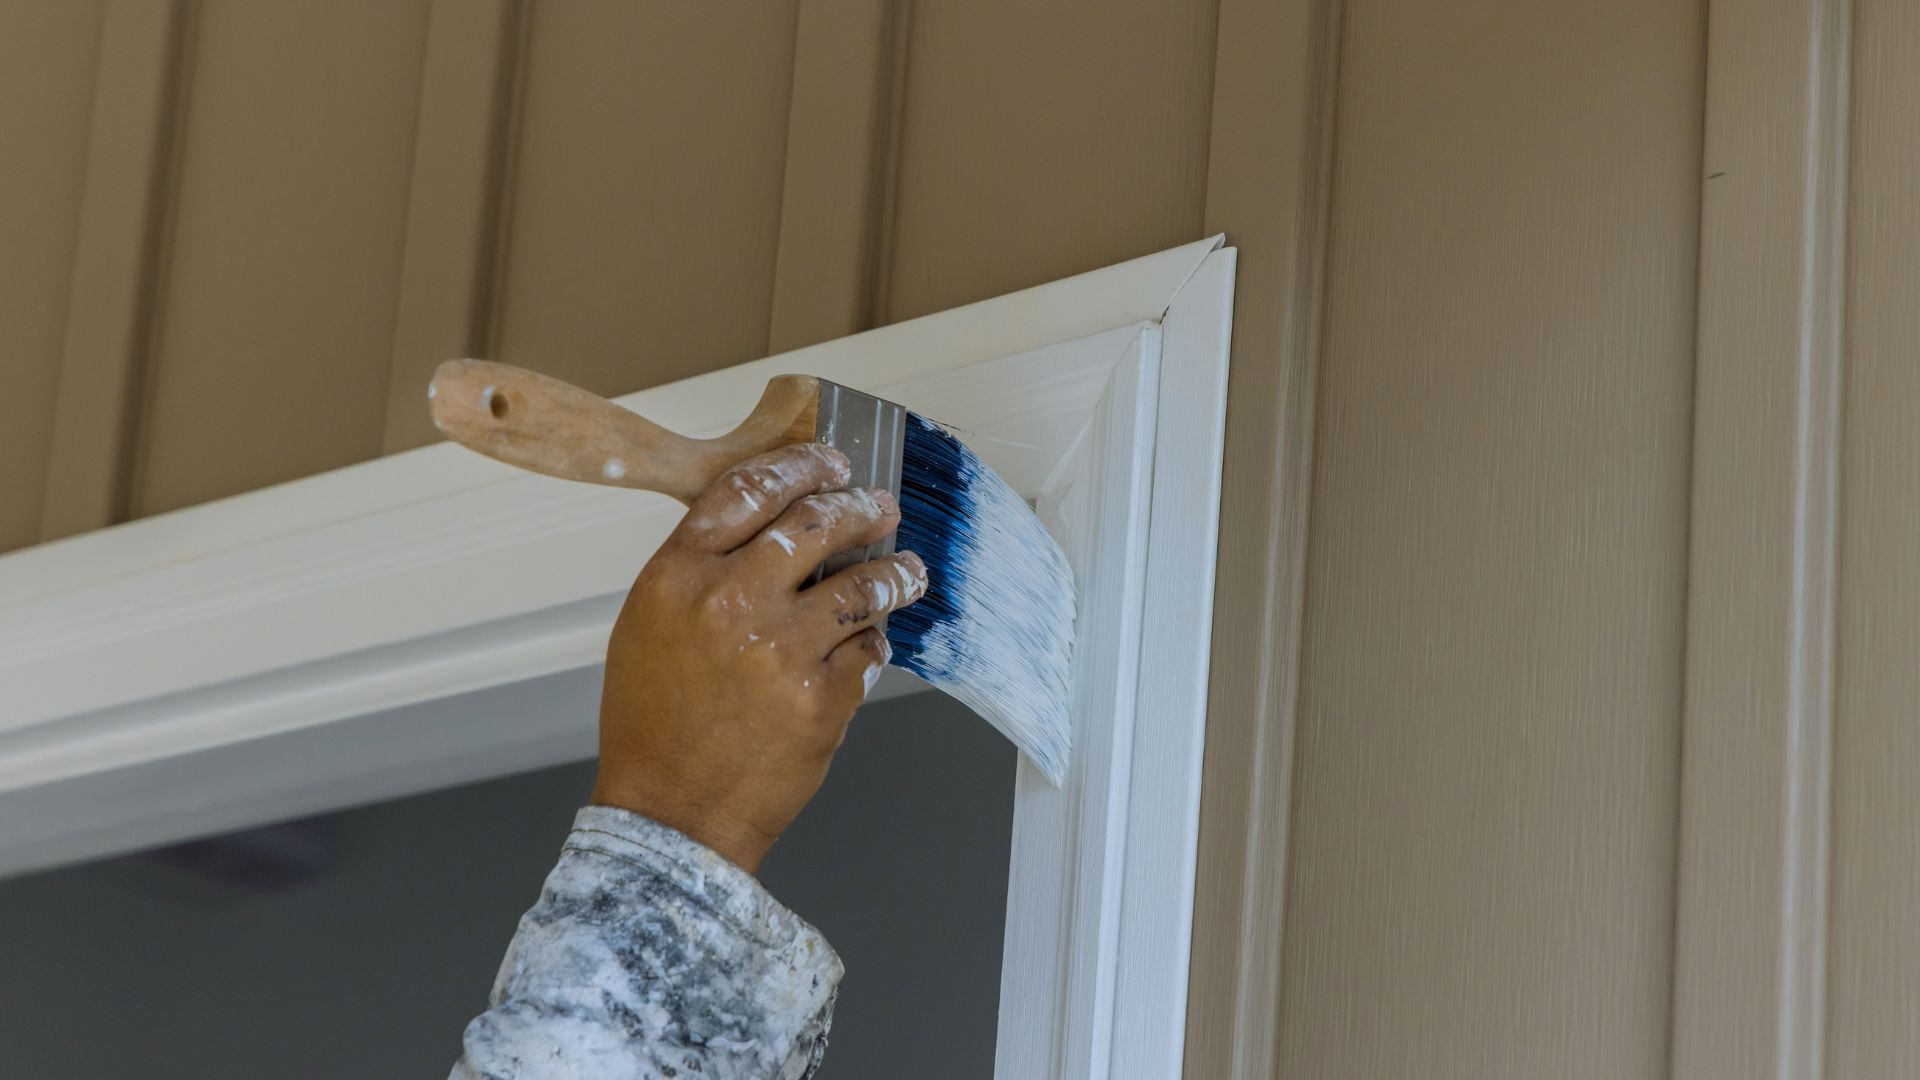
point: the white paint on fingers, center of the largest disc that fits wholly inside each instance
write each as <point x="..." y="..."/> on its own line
<point x="913" y="583"/>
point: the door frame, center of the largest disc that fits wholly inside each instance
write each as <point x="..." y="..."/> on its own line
<point x="434" y="617"/>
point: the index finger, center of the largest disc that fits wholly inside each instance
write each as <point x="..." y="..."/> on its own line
<point x="746" y="498"/>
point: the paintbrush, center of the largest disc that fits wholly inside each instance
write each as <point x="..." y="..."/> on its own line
<point x="995" y="628"/>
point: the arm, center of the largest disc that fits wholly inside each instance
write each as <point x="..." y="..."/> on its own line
<point x="652" y="950"/>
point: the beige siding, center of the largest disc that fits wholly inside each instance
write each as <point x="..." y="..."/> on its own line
<point x="1042" y="140"/>
<point x="1484" y="808"/>
<point x="282" y="256"/>
<point x="1874" y="963"/>
<point x="47" y="67"/>
<point x="644" y="200"/>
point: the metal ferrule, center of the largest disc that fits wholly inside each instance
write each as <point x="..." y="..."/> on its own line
<point x="870" y="431"/>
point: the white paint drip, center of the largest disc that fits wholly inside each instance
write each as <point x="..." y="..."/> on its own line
<point x="614" y="469"/>
<point x="780" y="538"/>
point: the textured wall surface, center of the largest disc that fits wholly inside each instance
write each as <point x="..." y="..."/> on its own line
<point x="48" y="54"/>
<point x="1873" y="973"/>
<point x="1485" y="793"/>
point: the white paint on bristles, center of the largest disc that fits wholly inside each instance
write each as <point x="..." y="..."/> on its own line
<point x="997" y="632"/>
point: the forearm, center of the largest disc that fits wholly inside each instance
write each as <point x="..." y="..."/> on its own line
<point x="648" y="955"/>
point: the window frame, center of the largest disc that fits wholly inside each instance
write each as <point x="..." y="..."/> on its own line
<point x="434" y="617"/>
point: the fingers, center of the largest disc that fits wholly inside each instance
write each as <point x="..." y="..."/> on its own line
<point x="817" y="526"/>
<point x="746" y="497"/>
<point x="855" y="598"/>
<point x="860" y="659"/>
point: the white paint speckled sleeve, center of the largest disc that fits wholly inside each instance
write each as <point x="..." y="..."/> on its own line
<point x="649" y="955"/>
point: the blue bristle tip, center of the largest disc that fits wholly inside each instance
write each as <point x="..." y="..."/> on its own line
<point x="995" y="628"/>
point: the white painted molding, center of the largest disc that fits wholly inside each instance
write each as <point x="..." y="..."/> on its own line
<point x="1170" y="708"/>
<point x="1057" y="967"/>
<point x="434" y="617"/>
<point x="1100" y="902"/>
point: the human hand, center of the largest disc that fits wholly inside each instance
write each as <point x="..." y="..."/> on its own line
<point x="728" y="685"/>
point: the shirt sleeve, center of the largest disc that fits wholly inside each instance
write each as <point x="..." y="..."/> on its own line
<point x="649" y="955"/>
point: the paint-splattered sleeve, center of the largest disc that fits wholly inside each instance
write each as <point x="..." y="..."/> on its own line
<point x="649" y="955"/>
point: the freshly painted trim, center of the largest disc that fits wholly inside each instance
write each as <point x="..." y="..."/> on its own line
<point x="1057" y="968"/>
<point x="1757" y="727"/>
<point x="368" y="611"/>
<point x="1170" y="710"/>
<point x="437" y="572"/>
<point x="1100" y="900"/>
<point x="434" y="617"/>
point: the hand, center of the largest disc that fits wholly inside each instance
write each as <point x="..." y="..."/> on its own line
<point x="728" y="685"/>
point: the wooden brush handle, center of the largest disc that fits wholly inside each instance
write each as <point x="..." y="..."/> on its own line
<point x="556" y="428"/>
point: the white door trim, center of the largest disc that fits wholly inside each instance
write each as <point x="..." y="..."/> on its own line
<point x="434" y="617"/>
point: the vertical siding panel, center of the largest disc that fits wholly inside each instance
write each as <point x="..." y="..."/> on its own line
<point x="48" y="63"/>
<point x="1753" y="882"/>
<point x="1043" y="140"/>
<point x="1269" y="159"/>
<point x="1480" y="880"/>
<point x="282" y="260"/>
<point x="1874" y="966"/>
<point x="644" y="197"/>
<point x="109" y="306"/>
<point x="840" y="154"/>
<point x="453" y="212"/>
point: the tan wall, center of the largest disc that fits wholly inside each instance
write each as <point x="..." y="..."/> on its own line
<point x="1488" y="725"/>
<point x="48" y="57"/>
<point x="1461" y="631"/>
<point x="1874" y="991"/>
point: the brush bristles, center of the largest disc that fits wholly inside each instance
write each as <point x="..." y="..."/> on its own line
<point x="995" y="629"/>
